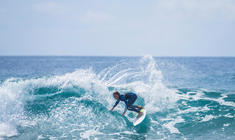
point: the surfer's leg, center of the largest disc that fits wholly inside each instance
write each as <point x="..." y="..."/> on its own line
<point x="138" y="107"/>
<point x="131" y="100"/>
<point x="134" y="108"/>
<point x="140" y="114"/>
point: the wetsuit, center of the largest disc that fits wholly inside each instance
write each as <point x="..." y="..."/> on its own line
<point x="129" y="99"/>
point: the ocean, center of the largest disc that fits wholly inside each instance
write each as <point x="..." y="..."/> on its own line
<point x="70" y="97"/>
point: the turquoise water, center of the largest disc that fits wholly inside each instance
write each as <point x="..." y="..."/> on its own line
<point x="70" y="97"/>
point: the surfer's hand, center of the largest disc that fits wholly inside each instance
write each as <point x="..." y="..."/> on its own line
<point x="111" y="109"/>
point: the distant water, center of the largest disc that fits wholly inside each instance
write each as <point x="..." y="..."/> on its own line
<point x="70" y="97"/>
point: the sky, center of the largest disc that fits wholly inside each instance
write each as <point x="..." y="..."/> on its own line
<point x="117" y="27"/>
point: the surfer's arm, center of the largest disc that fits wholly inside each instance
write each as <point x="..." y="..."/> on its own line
<point x="115" y="104"/>
<point x="124" y="111"/>
<point x="126" y="106"/>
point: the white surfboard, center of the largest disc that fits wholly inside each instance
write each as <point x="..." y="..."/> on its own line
<point x="140" y="119"/>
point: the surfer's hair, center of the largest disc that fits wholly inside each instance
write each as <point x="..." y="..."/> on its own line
<point x="117" y="93"/>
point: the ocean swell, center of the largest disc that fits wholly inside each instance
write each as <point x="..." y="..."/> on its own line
<point x="76" y="105"/>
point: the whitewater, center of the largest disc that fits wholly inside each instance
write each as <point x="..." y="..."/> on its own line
<point x="70" y="97"/>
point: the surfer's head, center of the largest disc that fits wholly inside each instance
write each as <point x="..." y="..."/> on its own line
<point x="116" y="95"/>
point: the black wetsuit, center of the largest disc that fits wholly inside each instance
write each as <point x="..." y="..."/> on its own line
<point x="129" y="99"/>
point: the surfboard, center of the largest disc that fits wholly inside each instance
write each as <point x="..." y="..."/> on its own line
<point x="140" y="119"/>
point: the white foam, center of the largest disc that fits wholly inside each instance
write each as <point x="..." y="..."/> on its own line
<point x="226" y="124"/>
<point x="87" y="134"/>
<point x="7" y="130"/>
<point x="208" y="118"/>
<point x="229" y="115"/>
<point x="11" y="106"/>
<point x="200" y="95"/>
<point x="14" y="93"/>
<point x="144" y="79"/>
<point x="193" y="109"/>
<point x="171" y="124"/>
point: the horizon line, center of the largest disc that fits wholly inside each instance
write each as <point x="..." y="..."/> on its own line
<point x="104" y="56"/>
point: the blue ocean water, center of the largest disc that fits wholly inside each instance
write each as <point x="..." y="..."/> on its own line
<point x="59" y="97"/>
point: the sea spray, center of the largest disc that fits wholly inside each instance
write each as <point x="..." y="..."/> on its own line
<point x="75" y="105"/>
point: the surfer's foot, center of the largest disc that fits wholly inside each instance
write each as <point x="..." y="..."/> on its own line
<point x="139" y="115"/>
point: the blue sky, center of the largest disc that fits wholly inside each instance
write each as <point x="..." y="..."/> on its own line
<point x="117" y="27"/>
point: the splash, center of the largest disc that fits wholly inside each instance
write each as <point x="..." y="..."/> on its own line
<point x="76" y="105"/>
<point x="143" y="78"/>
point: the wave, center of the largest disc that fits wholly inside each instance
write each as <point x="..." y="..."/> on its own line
<point x="76" y="105"/>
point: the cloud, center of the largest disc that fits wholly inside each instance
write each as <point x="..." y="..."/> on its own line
<point x="50" y="8"/>
<point x="82" y="14"/>
<point x="207" y="9"/>
<point x="91" y="16"/>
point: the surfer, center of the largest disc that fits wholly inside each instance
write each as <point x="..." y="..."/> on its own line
<point x="129" y="99"/>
